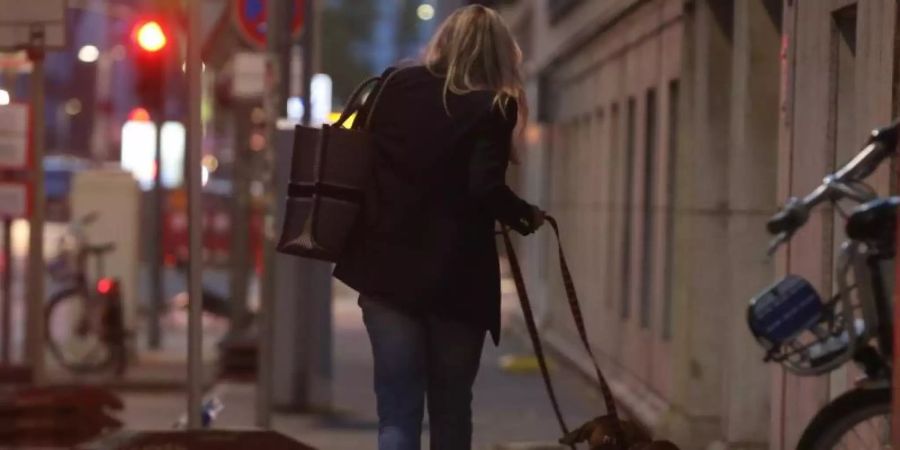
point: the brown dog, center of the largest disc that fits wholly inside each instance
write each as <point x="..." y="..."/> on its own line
<point x="600" y="434"/>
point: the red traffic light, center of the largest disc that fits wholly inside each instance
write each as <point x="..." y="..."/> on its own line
<point x="150" y="36"/>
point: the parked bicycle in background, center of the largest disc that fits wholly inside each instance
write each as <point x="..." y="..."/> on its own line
<point x="84" y="319"/>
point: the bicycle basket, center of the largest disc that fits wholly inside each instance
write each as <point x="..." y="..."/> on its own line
<point x="798" y="330"/>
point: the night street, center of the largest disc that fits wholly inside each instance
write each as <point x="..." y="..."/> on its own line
<point x="449" y="224"/>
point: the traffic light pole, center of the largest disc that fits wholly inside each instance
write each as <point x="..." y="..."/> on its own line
<point x="154" y="333"/>
<point x="152" y="54"/>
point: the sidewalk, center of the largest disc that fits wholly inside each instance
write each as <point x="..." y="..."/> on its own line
<point x="164" y="369"/>
<point x="508" y="407"/>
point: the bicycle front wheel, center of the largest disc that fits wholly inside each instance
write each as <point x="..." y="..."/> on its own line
<point x="859" y="419"/>
<point x="74" y="332"/>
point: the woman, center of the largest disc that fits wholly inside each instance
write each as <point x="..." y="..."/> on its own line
<point x="426" y="261"/>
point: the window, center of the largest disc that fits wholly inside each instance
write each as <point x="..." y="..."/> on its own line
<point x="843" y="119"/>
<point x="613" y="200"/>
<point x="646" y="287"/>
<point x="628" y="211"/>
<point x="843" y="69"/>
<point x="674" y="99"/>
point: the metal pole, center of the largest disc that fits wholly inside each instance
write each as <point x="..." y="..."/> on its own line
<point x="157" y="106"/>
<point x="154" y="335"/>
<point x="195" y="222"/>
<point x="277" y="36"/>
<point x="6" y="288"/>
<point x="240" y="219"/>
<point x="34" y="287"/>
<point x="6" y="312"/>
<point x="308" y="44"/>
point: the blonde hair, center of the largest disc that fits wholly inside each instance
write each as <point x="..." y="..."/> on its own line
<point x="474" y="50"/>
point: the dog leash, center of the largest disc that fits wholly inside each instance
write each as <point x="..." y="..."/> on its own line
<point x="577" y="316"/>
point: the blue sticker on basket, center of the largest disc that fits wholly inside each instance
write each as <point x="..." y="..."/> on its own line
<point x="785" y="310"/>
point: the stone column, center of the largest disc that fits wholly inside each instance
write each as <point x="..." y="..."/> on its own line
<point x="752" y="179"/>
<point x="702" y="271"/>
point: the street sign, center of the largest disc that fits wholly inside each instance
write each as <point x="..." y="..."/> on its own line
<point x="13" y="200"/>
<point x="249" y="75"/>
<point x="250" y="20"/>
<point x="19" y="19"/>
<point x="15" y="132"/>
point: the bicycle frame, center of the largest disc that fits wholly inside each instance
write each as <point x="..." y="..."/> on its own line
<point x="882" y="303"/>
<point x="866" y="267"/>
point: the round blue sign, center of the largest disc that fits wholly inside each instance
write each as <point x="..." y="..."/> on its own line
<point x="251" y="19"/>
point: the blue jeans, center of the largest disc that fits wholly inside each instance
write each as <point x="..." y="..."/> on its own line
<point x="417" y="357"/>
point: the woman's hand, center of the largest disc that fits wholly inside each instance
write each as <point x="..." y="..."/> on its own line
<point x="538" y="217"/>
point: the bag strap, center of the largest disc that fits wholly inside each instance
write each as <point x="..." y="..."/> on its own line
<point x="377" y="98"/>
<point x="354" y="104"/>
<point x="577" y="316"/>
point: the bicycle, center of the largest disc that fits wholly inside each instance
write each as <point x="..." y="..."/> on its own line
<point x="812" y="337"/>
<point x="84" y="321"/>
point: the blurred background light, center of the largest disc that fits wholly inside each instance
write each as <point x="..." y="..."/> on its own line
<point x="184" y="67"/>
<point x="320" y="98"/>
<point x="210" y="162"/>
<point x="425" y="12"/>
<point x="295" y="109"/>
<point x="139" y="151"/>
<point x="89" y="54"/>
<point x="139" y="115"/>
<point x="73" y="107"/>
<point x="4" y="97"/>
<point x="172" y="146"/>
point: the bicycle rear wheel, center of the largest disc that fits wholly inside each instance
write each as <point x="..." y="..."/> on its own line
<point x="73" y="329"/>
<point x="857" y="420"/>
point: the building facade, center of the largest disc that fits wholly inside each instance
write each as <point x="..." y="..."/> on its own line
<point x="663" y="134"/>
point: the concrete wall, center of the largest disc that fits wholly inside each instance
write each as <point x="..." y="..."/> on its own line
<point x="837" y="85"/>
<point x="605" y="154"/>
<point x="656" y="147"/>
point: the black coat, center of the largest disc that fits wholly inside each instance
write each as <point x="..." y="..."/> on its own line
<point x="429" y="244"/>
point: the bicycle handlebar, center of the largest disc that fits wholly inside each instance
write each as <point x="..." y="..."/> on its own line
<point x="881" y="145"/>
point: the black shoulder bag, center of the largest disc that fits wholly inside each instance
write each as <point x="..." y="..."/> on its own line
<point x="331" y="169"/>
